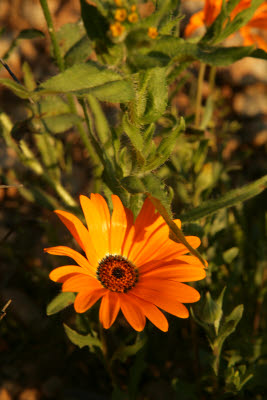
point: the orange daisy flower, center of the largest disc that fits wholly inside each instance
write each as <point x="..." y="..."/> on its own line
<point x="152" y="32"/>
<point x="116" y="29"/>
<point x="132" y="266"/>
<point x="212" y="9"/>
<point x="120" y="14"/>
<point x="133" y="17"/>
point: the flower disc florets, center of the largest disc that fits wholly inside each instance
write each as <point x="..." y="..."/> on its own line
<point x="117" y="274"/>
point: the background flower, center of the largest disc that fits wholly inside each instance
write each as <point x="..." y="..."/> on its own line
<point x="212" y="9"/>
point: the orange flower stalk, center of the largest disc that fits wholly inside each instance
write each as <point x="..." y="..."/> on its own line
<point x="152" y="32"/>
<point x="132" y="266"/>
<point x="212" y="9"/>
<point x="116" y="29"/>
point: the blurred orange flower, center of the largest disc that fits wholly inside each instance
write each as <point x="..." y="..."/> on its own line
<point x="116" y="29"/>
<point x="212" y="9"/>
<point x="133" y="17"/>
<point x="132" y="266"/>
<point x="120" y="14"/>
<point x="152" y="32"/>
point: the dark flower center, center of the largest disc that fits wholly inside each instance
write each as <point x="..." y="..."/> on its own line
<point x="117" y="274"/>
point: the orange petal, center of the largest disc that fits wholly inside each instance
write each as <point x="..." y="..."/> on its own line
<point x="146" y="217"/>
<point x="153" y="314"/>
<point x="101" y="205"/>
<point x="87" y="299"/>
<point x="177" y="273"/>
<point x="109" y="308"/>
<point x="211" y="10"/>
<point x="81" y="283"/>
<point x="181" y="261"/>
<point x="119" y="225"/>
<point x="150" y="250"/>
<point x="132" y="312"/>
<point x="163" y="301"/>
<point x="147" y="241"/>
<point x="80" y="233"/>
<point x="195" y="22"/>
<point x="97" y="225"/>
<point x="178" y="290"/>
<point x="68" y="252"/>
<point x="168" y="250"/>
<point x="60" y="274"/>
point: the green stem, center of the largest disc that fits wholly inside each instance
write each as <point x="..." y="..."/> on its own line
<point x="107" y="362"/>
<point x="52" y="34"/>
<point x="212" y="79"/>
<point x="96" y="145"/>
<point x="60" y="63"/>
<point x="199" y="93"/>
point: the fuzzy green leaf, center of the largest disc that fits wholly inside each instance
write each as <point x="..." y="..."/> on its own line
<point x="75" y="46"/>
<point x="60" y="123"/>
<point x="16" y="88"/>
<point x="123" y="352"/>
<point x="61" y="301"/>
<point x="152" y="95"/>
<point x="230" y="199"/>
<point x="168" y="48"/>
<point x="95" y="23"/>
<point x="166" y="146"/>
<point x="82" y="340"/>
<point x="133" y="184"/>
<point x="82" y="79"/>
<point x="228" y="326"/>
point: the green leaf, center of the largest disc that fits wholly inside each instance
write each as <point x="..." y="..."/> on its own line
<point x="61" y="301"/>
<point x="152" y="95"/>
<point x="30" y="34"/>
<point x="82" y="340"/>
<point x="52" y="105"/>
<point x="166" y="146"/>
<point x="259" y="53"/>
<point x="169" y="48"/>
<point x="28" y="77"/>
<point x="75" y="46"/>
<point x="59" y="123"/>
<point x="230" y="199"/>
<point x="100" y="120"/>
<point x="16" y="88"/>
<point x="123" y="352"/>
<point x="133" y="133"/>
<point x="167" y="27"/>
<point x="82" y="79"/>
<point x="211" y="311"/>
<point x="230" y="254"/>
<point x="79" y="52"/>
<point x="199" y="155"/>
<point x="133" y="184"/>
<point x="207" y="178"/>
<point x="228" y="326"/>
<point x="95" y="23"/>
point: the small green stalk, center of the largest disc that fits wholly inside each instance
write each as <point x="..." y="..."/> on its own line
<point x="52" y="34"/>
<point x="199" y="93"/>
